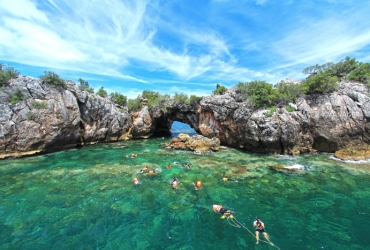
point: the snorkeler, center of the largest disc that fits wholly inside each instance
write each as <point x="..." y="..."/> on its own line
<point x="145" y="169"/>
<point x="150" y="172"/>
<point x="135" y="180"/>
<point x="228" y="179"/>
<point x="198" y="185"/>
<point x="225" y="212"/>
<point x="187" y="166"/>
<point x="260" y="227"/>
<point x="174" y="183"/>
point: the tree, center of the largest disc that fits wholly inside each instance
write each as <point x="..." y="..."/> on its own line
<point x="259" y="93"/>
<point x="119" y="98"/>
<point x="53" y="79"/>
<point x="101" y="92"/>
<point x="289" y="91"/>
<point x="7" y="73"/>
<point x="361" y="73"/>
<point x="220" y="90"/>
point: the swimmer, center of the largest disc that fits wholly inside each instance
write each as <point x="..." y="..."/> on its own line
<point x="169" y="165"/>
<point x="174" y="183"/>
<point x="133" y="155"/>
<point x="260" y="227"/>
<point x="175" y="162"/>
<point x="225" y="212"/>
<point x="152" y="171"/>
<point x="187" y="166"/>
<point x="145" y="169"/>
<point x="198" y="185"/>
<point x="135" y="180"/>
<point x="228" y="179"/>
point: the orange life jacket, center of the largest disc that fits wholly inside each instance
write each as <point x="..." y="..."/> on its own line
<point x="198" y="184"/>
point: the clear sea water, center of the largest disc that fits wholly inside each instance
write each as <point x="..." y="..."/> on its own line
<point x="85" y="199"/>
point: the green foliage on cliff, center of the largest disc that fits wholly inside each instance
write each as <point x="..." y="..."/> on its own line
<point x="7" y="73"/>
<point x="17" y="96"/>
<point x="193" y="100"/>
<point x="119" y="98"/>
<point x="289" y="91"/>
<point x="258" y="93"/>
<point x="220" y="90"/>
<point x="134" y="104"/>
<point x="101" y="92"/>
<point x="361" y="73"/>
<point x="84" y="85"/>
<point x="180" y="99"/>
<point x="270" y="112"/>
<point x="53" y="79"/>
<point x="40" y="105"/>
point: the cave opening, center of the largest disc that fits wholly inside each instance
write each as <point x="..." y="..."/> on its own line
<point x="179" y="127"/>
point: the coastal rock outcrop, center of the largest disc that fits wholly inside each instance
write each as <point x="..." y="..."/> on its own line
<point x="197" y="143"/>
<point x="35" y="117"/>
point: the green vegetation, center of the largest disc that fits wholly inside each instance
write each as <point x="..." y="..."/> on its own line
<point x="7" y="73"/>
<point x="271" y="111"/>
<point x="289" y="109"/>
<point x="40" y="105"/>
<point x="193" y="100"/>
<point x="360" y="74"/>
<point x="31" y="115"/>
<point x="134" y="104"/>
<point x="101" y="92"/>
<point x="53" y="79"/>
<point x="289" y="91"/>
<point x="179" y="99"/>
<point x="84" y="85"/>
<point x="17" y="96"/>
<point x="220" y="90"/>
<point x="259" y="93"/>
<point x="119" y="98"/>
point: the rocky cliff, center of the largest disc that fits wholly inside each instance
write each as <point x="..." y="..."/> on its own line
<point x="50" y="118"/>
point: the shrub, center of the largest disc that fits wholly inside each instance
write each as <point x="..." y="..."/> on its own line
<point x="40" y="105"/>
<point x="119" y="98"/>
<point x="134" y="104"/>
<point x="321" y="83"/>
<point x="101" y="92"/>
<point x="31" y="115"/>
<point x="180" y="99"/>
<point x="84" y="85"/>
<point x="53" y="79"/>
<point x="7" y="73"/>
<point x="360" y="74"/>
<point x="195" y="99"/>
<point x="289" y="91"/>
<point x="220" y="90"/>
<point x="289" y="109"/>
<point x="17" y="96"/>
<point x="270" y="112"/>
<point x="260" y="93"/>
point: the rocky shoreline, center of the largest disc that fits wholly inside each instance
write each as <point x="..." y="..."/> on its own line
<point x="53" y="118"/>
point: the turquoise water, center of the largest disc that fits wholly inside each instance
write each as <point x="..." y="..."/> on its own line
<point x="85" y="199"/>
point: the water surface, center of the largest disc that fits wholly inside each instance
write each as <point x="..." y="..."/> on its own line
<point x="85" y="199"/>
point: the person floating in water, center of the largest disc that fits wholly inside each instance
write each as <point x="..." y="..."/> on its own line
<point x="169" y="165"/>
<point x="187" y="166"/>
<point x="135" y="180"/>
<point x="145" y="169"/>
<point x="260" y="227"/>
<point x="174" y="183"/>
<point x="228" y="179"/>
<point x="133" y="155"/>
<point x="151" y="171"/>
<point x="225" y="212"/>
<point x="198" y="185"/>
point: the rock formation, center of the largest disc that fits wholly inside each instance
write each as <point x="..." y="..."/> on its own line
<point x="54" y="118"/>
<point x="197" y="143"/>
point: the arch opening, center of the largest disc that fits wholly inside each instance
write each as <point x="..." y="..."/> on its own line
<point x="180" y="127"/>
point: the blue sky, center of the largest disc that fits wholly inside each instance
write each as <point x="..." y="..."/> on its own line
<point x="183" y="46"/>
